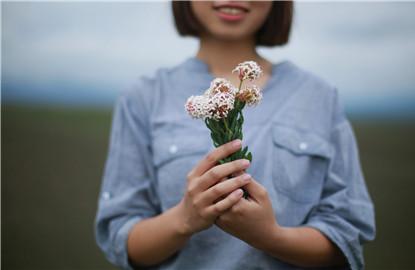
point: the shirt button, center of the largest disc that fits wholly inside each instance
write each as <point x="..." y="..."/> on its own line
<point x="173" y="149"/>
<point x="106" y="195"/>
<point x="303" y="146"/>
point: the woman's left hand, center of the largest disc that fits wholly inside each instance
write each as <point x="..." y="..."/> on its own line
<point x="251" y="220"/>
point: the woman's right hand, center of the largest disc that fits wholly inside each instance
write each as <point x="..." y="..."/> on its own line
<point x="207" y="196"/>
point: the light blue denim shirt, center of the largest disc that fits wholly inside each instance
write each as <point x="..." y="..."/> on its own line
<point x="304" y="154"/>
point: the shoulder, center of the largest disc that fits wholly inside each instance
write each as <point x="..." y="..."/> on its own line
<point x="144" y="92"/>
<point x="307" y="81"/>
<point x="147" y="84"/>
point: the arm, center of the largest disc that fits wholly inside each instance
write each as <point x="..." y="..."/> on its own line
<point x="303" y="246"/>
<point x="155" y="239"/>
<point x="253" y="221"/>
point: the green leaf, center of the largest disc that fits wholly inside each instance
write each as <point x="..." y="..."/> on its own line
<point x="236" y="155"/>
<point x="214" y="139"/>
<point x="243" y="152"/>
<point x="249" y="157"/>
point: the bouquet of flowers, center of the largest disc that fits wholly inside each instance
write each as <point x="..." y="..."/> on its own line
<point x="221" y="107"/>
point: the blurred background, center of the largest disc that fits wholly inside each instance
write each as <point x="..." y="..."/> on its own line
<point x="64" y="63"/>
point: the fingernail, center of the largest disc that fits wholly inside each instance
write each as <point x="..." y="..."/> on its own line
<point x="246" y="177"/>
<point x="245" y="163"/>
<point x="237" y="143"/>
<point x="238" y="193"/>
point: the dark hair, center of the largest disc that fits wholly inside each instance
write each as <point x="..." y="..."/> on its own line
<point x="274" y="31"/>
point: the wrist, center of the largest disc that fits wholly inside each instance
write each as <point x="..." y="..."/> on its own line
<point x="276" y="240"/>
<point x="180" y="225"/>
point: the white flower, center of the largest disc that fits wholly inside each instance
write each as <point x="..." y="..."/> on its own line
<point x="248" y="70"/>
<point x="197" y="106"/>
<point x="220" y="105"/>
<point x="220" y="85"/>
<point x="250" y="95"/>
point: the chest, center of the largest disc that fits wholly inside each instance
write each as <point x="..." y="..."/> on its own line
<point x="289" y="162"/>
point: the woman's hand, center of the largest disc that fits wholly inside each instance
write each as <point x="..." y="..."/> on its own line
<point x="251" y="220"/>
<point x="155" y="239"/>
<point x="207" y="196"/>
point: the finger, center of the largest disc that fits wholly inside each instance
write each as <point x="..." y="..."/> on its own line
<point x="256" y="190"/>
<point x="223" y="188"/>
<point x="225" y="204"/>
<point x="236" y="211"/>
<point x="238" y="173"/>
<point x="212" y="158"/>
<point x="220" y="181"/>
<point x="215" y="174"/>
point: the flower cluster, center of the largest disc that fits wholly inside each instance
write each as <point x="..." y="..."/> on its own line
<point x="221" y="108"/>
<point x="248" y="70"/>
<point x="197" y="106"/>
<point x="220" y="85"/>
<point x="251" y="95"/>
<point x="219" y="99"/>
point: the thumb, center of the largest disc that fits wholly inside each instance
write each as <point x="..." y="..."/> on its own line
<point x="256" y="190"/>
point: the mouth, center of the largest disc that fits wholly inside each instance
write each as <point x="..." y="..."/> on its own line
<point x="230" y="11"/>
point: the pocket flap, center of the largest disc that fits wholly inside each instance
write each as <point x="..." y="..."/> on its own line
<point x="169" y="147"/>
<point x="300" y="142"/>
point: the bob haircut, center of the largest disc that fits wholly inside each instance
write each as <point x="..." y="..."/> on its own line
<point x="275" y="30"/>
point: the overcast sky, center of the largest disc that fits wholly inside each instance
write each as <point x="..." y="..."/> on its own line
<point x="85" y="53"/>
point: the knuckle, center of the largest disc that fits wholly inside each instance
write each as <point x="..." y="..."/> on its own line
<point x="211" y="157"/>
<point x="235" y="209"/>
<point x="263" y="192"/>
<point x="216" y="209"/>
<point x="189" y="175"/>
<point x="194" y="204"/>
<point x="214" y="174"/>
<point x="228" y="148"/>
<point x="239" y="181"/>
<point x="191" y="190"/>
<point x="217" y="190"/>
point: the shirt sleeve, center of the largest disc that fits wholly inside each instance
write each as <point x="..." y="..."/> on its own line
<point x="128" y="188"/>
<point x="345" y="213"/>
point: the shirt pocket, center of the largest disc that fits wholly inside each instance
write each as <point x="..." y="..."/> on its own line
<point x="178" y="145"/>
<point x="175" y="154"/>
<point x="301" y="162"/>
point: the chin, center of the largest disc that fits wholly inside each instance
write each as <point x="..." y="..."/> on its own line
<point x="231" y="34"/>
<point x="231" y="37"/>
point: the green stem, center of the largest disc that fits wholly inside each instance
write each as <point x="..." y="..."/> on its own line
<point x="240" y="85"/>
<point x="230" y="133"/>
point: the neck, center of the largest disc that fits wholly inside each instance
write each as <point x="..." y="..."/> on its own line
<point x="222" y="56"/>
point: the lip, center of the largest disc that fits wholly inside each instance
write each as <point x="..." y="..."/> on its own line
<point x="230" y="17"/>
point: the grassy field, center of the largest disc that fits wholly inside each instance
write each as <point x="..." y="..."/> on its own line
<point x="52" y="161"/>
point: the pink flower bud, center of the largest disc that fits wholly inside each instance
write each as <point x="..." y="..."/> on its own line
<point x="248" y="70"/>
<point x="220" y="85"/>
<point x="251" y="95"/>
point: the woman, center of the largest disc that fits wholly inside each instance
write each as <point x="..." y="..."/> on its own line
<point x="163" y="203"/>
